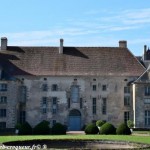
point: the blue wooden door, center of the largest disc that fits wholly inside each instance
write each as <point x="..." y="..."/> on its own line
<point x="74" y="123"/>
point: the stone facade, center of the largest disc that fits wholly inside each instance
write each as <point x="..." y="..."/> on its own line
<point x="114" y="94"/>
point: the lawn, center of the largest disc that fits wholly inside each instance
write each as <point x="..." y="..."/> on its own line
<point x="131" y="138"/>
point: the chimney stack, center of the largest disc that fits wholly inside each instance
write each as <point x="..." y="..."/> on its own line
<point x="3" y="43"/>
<point x="145" y="50"/>
<point x="61" y="46"/>
<point x="123" y="44"/>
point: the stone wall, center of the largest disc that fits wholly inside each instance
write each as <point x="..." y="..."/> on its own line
<point x="114" y="95"/>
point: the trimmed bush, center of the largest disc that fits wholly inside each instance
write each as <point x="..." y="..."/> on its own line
<point x="91" y="129"/>
<point x="25" y="129"/>
<point x="99" y="123"/>
<point x="107" y="128"/>
<point x="42" y="128"/>
<point x="123" y="129"/>
<point x="130" y="124"/>
<point x="59" y="129"/>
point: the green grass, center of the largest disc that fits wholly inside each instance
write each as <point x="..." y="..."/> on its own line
<point x="131" y="138"/>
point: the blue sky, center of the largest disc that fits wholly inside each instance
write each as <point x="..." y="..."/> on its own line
<point x="78" y="22"/>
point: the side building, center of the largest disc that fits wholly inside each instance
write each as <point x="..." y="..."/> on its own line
<point x="70" y="85"/>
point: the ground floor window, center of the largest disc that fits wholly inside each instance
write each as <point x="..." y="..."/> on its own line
<point x="126" y="116"/>
<point x="2" y="112"/>
<point x="147" y="118"/>
<point x="54" y="122"/>
<point x="22" y="116"/>
<point x="2" y="125"/>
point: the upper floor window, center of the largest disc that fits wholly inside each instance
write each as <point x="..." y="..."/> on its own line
<point x="3" y="87"/>
<point x="44" y="100"/>
<point x="94" y="105"/>
<point x="104" y="106"/>
<point x="45" y="87"/>
<point x="126" y="100"/>
<point x="2" y="112"/>
<point x="54" y="105"/>
<point x="147" y="91"/>
<point x="3" y="99"/>
<point x="44" y="105"/>
<point x="94" y="87"/>
<point x="147" y="100"/>
<point x="75" y="93"/>
<point x="104" y="87"/>
<point x="54" y="87"/>
<point x="127" y="89"/>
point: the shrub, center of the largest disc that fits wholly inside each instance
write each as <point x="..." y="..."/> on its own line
<point x="91" y="129"/>
<point x="18" y="126"/>
<point x="59" y="129"/>
<point x="130" y="124"/>
<point x="123" y="129"/>
<point x="99" y="123"/>
<point x="107" y="128"/>
<point x="25" y="129"/>
<point x="42" y="128"/>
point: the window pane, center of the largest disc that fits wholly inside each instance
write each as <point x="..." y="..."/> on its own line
<point x="75" y="93"/>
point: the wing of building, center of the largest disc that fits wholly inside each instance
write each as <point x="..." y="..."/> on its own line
<point x="70" y="85"/>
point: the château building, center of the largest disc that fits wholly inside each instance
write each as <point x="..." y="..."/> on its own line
<point x="73" y="85"/>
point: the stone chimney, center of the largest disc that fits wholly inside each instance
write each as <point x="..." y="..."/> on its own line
<point x="123" y="44"/>
<point x="145" y="50"/>
<point x="61" y="46"/>
<point x="3" y="43"/>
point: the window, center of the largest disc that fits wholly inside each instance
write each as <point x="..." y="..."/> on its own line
<point x="2" y="125"/>
<point x="94" y="87"/>
<point x="94" y="79"/>
<point x="126" y="100"/>
<point x="127" y="89"/>
<point x="68" y="102"/>
<point x="80" y="103"/>
<point x="54" y="87"/>
<point x="147" y="118"/>
<point x="75" y="93"/>
<point x="3" y="99"/>
<point x="22" y="116"/>
<point x="44" y="105"/>
<point x="23" y="90"/>
<point x="147" y="100"/>
<point x="44" y="100"/>
<point x="44" y="110"/>
<point x="104" y="106"/>
<point x="54" y="122"/>
<point x="45" y="87"/>
<point x="3" y="87"/>
<point x="147" y="91"/>
<point x="94" y="105"/>
<point x="2" y="112"/>
<point x="126" y="116"/>
<point x="54" y="105"/>
<point x="104" y="87"/>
